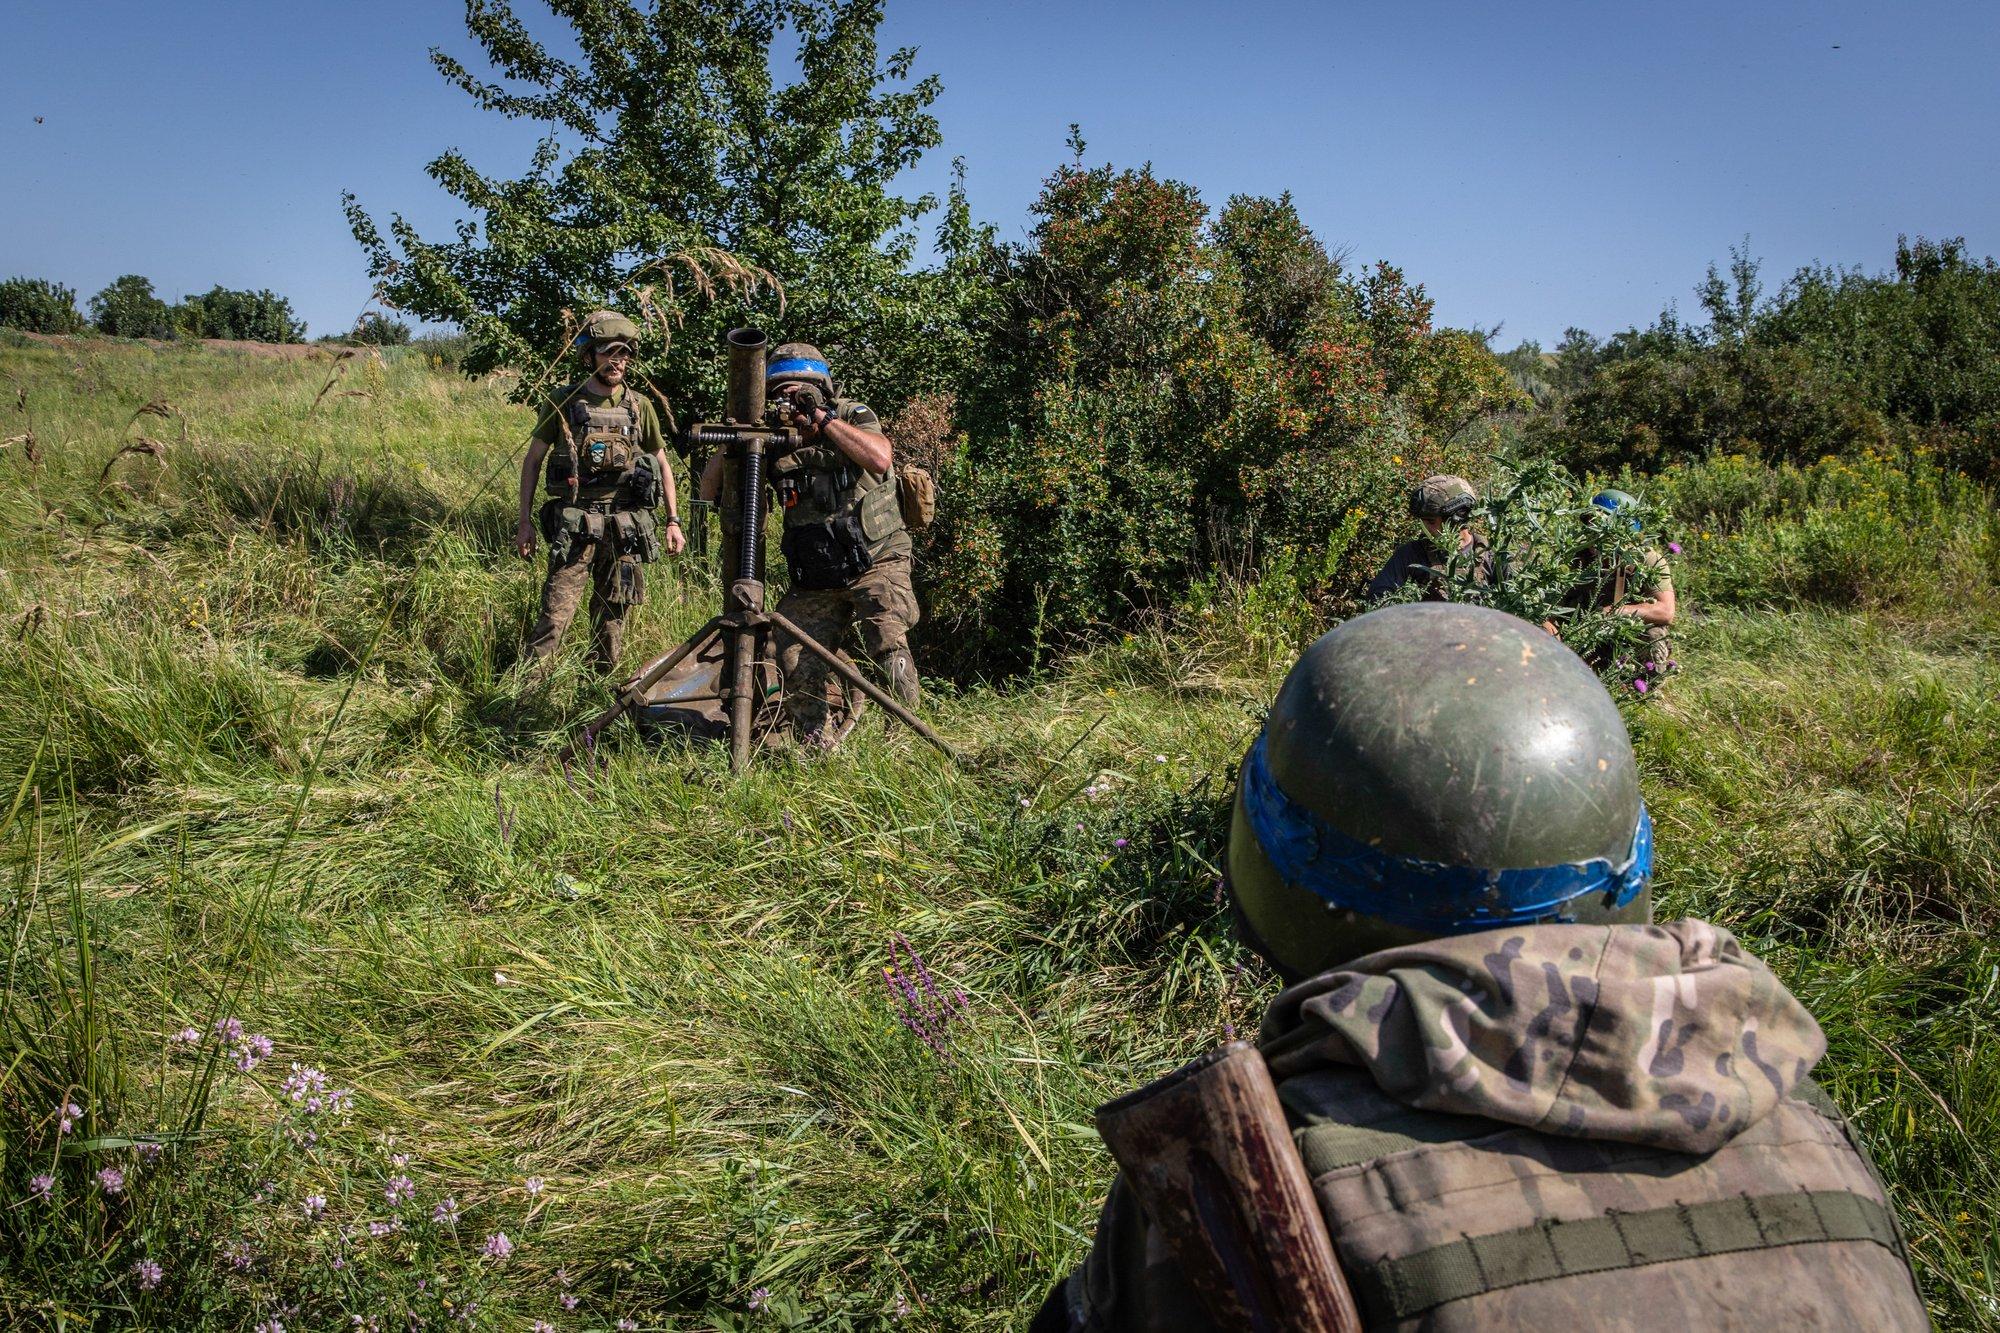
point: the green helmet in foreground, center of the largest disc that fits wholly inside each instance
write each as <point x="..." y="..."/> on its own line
<point x="1433" y="769"/>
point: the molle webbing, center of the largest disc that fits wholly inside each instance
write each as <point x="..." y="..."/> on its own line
<point x="1475" y="1265"/>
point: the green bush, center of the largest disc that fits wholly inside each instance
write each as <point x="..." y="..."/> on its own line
<point x="127" y="308"/>
<point x="375" y="329"/>
<point x="35" y="305"/>
<point x="259" y="316"/>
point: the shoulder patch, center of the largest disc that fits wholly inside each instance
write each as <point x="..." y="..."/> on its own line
<point x="859" y="415"/>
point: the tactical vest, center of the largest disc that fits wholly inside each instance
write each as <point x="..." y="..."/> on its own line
<point x="600" y="442"/>
<point x="839" y="517"/>
<point x="1451" y="1222"/>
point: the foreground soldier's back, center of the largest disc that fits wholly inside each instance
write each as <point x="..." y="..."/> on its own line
<point x="1510" y="1120"/>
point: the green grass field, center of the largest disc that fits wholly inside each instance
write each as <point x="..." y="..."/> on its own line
<point x="275" y="762"/>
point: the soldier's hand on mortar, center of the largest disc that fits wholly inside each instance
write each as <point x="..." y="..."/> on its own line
<point x="524" y="539"/>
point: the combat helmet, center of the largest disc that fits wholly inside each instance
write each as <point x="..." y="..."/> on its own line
<point x="1616" y="502"/>
<point x="792" y="362"/>
<point x="606" y="328"/>
<point x="1445" y="497"/>
<point x="1434" y="769"/>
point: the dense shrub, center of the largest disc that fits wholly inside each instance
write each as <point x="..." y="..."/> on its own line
<point x="35" y="305"/>
<point x="376" y="329"/>
<point x="1156" y="392"/>
<point x="127" y="308"/>
<point x="259" y="316"/>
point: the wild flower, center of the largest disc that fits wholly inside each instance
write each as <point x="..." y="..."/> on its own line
<point x="381" y="1229"/>
<point x="920" y="1006"/>
<point x="534" y="1185"/>
<point x="111" y="1180"/>
<point x="501" y="979"/>
<point x="568" y="1301"/>
<point x="628" y="1326"/>
<point x="399" y="1160"/>
<point x="239" y="1255"/>
<point x="498" y="1246"/>
<point x="901" y="1308"/>
<point x="400" y="1189"/>
<point x="271" y="1326"/>
<point x="254" y="1051"/>
<point x="340" y="1101"/>
<point x="1121" y="842"/>
<point x="41" y="1185"/>
<point x="1674" y="547"/>
<point x="148" y="1150"/>
<point x="445" y="1212"/>
<point x="303" y="1083"/>
<point x="1159" y="759"/>
<point x="230" y="1030"/>
<point x="1641" y="685"/>
<point x="314" y="1204"/>
<point x="759" y="1298"/>
<point x="1026" y="802"/>
<point x="563" y="1279"/>
<point x="66" y="1115"/>
<point x="185" y="1037"/>
<point x="541" y="1326"/>
<point x="148" y="1273"/>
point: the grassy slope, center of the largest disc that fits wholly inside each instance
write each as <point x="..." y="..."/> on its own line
<point x="695" y="1045"/>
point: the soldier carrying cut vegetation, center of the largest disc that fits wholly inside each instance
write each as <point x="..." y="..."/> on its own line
<point x="600" y="450"/>
<point x="1494" y="1095"/>
<point x="1643" y="591"/>
<point x="1436" y="502"/>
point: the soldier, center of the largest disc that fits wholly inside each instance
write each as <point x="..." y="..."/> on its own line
<point x="1646" y="593"/>
<point x="606" y="472"/>
<point x="844" y="537"/>
<point x="1434" y="502"/>
<point x="1519" y="1103"/>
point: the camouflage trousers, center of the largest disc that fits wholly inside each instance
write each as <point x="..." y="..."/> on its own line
<point x="884" y="606"/>
<point x="615" y="583"/>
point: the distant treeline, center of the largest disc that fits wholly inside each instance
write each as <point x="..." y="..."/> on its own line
<point x="129" y="308"/>
<point x="1838" y="362"/>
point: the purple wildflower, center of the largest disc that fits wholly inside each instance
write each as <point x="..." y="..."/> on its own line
<point x="400" y="1189"/>
<point x="1675" y="547"/>
<point x="628" y="1326"/>
<point x="148" y="1150"/>
<point x="563" y="1278"/>
<point x="534" y="1185"/>
<point x="498" y="1246"/>
<point x="112" y="1180"/>
<point x="1121" y="842"/>
<point x="271" y="1326"/>
<point x="399" y="1160"/>
<point x="254" y="1051"/>
<point x="1640" y="685"/>
<point x="340" y="1101"/>
<point x="568" y="1301"/>
<point x="446" y="1212"/>
<point x="41" y="1185"/>
<point x="380" y="1229"/>
<point x="185" y="1037"/>
<point x="759" y="1298"/>
<point x="541" y="1326"/>
<point x="67" y="1114"/>
<point x="303" y="1083"/>
<point x="239" y="1255"/>
<point x="314" y="1204"/>
<point x="148" y="1273"/>
<point x="230" y="1030"/>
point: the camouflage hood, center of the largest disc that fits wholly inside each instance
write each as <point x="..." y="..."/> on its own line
<point x="1666" y="1035"/>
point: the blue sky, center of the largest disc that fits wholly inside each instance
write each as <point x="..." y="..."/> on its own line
<point x="1566" y="164"/>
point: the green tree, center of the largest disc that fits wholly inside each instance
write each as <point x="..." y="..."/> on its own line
<point x="127" y="308"/>
<point x="259" y="316"/>
<point x="376" y="329"/>
<point x="37" y="305"/>
<point x="676" y="156"/>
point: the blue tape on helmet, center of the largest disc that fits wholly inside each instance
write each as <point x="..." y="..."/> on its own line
<point x="1347" y="873"/>
<point x="796" y="365"/>
<point x="1612" y="505"/>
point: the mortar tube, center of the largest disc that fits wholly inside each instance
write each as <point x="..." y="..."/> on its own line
<point x="745" y="402"/>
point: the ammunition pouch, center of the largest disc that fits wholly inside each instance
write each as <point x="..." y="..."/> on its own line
<point x="640" y="486"/>
<point x="916" y="496"/>
<point x="828" y="555"/>
<point x="638" y="534"/>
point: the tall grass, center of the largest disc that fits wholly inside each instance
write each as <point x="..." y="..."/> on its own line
<point x="660" y="992"/>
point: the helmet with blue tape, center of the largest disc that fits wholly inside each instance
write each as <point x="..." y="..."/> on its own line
<point x="1434" y="769"/>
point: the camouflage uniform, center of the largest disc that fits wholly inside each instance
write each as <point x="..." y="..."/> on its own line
<point x="834" y="510"/>
<point x="1577" y="1125"/>
<point x="598" y="537"/>
<point x="1605" y="587"/>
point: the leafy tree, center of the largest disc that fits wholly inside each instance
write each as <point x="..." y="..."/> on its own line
<point x="677" y="158"/>
<point x="378" y="330"/>
<point x="127" y="308"/>
<point x="259" y="316"/>
<point x="36" y="305"/>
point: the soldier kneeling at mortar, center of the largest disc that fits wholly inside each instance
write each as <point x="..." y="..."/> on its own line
<point x="606" y="474"/>
<point x="845" y="539"/>
<point x="1495" y="1094"/>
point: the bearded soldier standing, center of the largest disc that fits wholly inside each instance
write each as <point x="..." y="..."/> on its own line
<point x="1498" y="1095"/>
<point x="600" y="451"/>
<point x="844" y="539"/>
